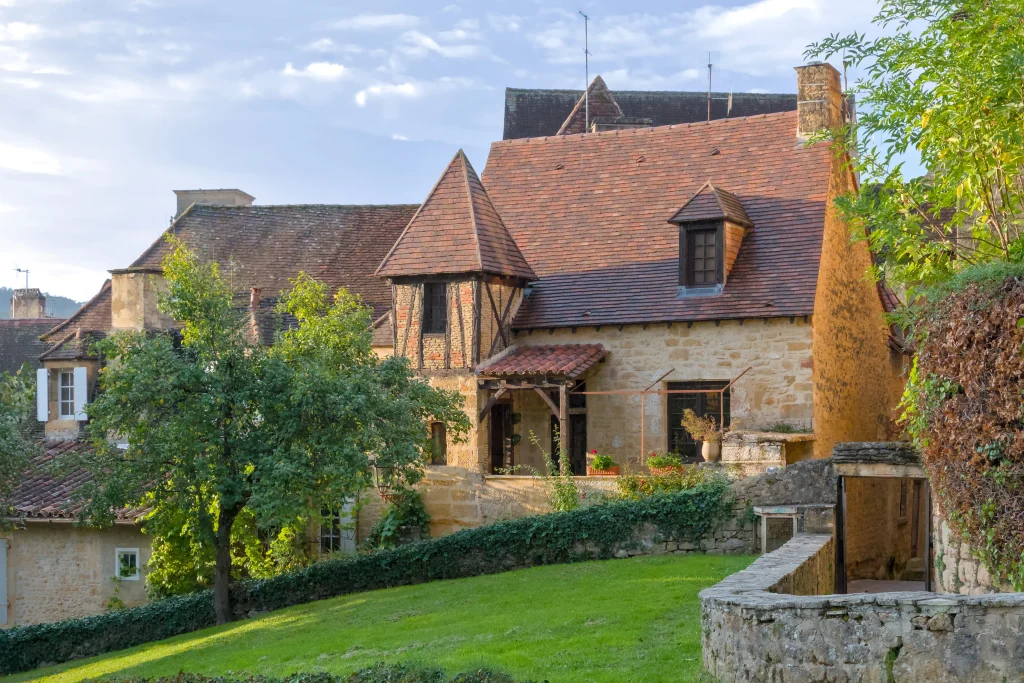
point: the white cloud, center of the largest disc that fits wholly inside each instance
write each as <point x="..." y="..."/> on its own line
<point x="398" y="136"/>
<point x="416" y="44"/>
<point x="504" y="22"/>
<point x="376" y="22"/>
<point x="28" y="160"/>
<point x="325" y="72"/>
<point x="27" y="83"/>
<point x="7" y="208"/>
<point x="322" y="45"/>
<point x="721" y="22"/>
<point x="19" y="30"/>
<point x="388" y="90"/>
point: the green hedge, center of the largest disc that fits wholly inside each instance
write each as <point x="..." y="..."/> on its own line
<point x="595" y="532"/>
<point x="379" y="673"/>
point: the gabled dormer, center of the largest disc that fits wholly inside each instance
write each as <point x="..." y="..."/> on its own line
<point x="712" y="224"/>
<point x="457" y="276"/>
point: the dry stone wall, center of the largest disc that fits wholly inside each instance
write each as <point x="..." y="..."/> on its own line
<point x="770" y="622"/>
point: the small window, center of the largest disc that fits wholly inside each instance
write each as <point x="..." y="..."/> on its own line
<point x="435" y="308"/>
<point x="702" y="258"/>
<point x="67" y="393"/>
<point x="438" y="444"/>
<point x="702" y="402"/>
<point x="337" y="530"/>
<point x="127" y="565"/>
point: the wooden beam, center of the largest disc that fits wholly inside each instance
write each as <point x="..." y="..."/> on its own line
<point x="490" y="404"/>
<point x="497" y="318"/>
<point x="462" y="324"/>
<point x="547" y="399"/>
<point x="563" y="428"/>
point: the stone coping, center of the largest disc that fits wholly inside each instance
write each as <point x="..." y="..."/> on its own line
<point x="769" y="437"/>
<point x="752" y="587"/>
<point x="876" y="452"/>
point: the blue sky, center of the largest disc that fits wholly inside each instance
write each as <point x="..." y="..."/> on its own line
<point x="105" y="107"/>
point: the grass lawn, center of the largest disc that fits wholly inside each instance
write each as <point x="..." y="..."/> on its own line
<point x="632" y="620"/>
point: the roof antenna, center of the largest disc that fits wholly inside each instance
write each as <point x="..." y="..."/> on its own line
<point x="23" y="270"/>
<point x="586" y="62"/>
<point x="709" y="87"/>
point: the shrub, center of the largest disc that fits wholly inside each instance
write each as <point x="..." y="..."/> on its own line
<point x="703" y="428"/>
<point x="407" y="510"/>
<point x="583" y="534"/>
<point x="659" y="460"/>
<point x="378" y="673"/>
<point x="963" y="407"/>
<point x="603" y="462"/>
<point x="685" y="478"/>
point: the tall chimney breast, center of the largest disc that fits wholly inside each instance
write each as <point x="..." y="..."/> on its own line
<point x="28" y="304"/>
<point x="819" y="95"/>
<point x="221" y="197"/>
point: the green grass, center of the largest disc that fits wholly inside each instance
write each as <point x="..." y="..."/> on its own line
<point x="632" y="620"/>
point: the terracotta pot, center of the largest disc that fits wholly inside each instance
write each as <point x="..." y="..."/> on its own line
<point x="610" y="472"/>
<point x="666" y="470"/>
<point x="711" y="451"/>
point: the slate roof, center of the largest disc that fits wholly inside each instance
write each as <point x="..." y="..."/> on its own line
<point x="601" y="105"/>
<point x="75" y="345"/>
<point x="94" y="315"/>
<point x="531" y="113"/>
<point x="712" y="203"/>
<point x="590" y="213"/>
<point x="42" y="495"/>
<point x="564" y="360"/>
<point x="264" y="246"/>
<point x="20" y="343"/>
<point x="456" y="231"/>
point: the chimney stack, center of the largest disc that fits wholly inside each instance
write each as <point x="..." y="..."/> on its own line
<point x="819" y="95"/>
<point x="28" y="304"/>
<point x="222" y="197"/>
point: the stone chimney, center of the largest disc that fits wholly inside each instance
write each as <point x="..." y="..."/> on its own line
<point x="222" y="197"/>
<point x="28" y="304"/>
<point x="819" y="95"/>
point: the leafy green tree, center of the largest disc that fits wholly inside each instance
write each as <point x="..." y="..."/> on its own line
<point x="943" y="81"/>
<point x="211" y="426"/>
<point x="17" y="394"/>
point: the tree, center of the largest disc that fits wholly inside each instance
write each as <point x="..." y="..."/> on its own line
<point x="16" y="447"/>
<point x="943" y="82"/>
<point x="212" y="426"/>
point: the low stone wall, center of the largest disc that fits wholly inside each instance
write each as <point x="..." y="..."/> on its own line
<point x="754" y="632"/>
<point x="747" y="454"/>
<point x="957" y="570"/>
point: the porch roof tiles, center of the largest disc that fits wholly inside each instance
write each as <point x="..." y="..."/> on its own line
<point x="564" y="360"/>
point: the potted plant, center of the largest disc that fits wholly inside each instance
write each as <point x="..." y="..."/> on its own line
<point x="664" y="463"/>
<point x="602" y="465"/>
<point x="704" y="429"/>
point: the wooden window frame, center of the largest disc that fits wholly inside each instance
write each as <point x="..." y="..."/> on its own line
<point x="430" y="319"/>
<point x="685" y="258"/>
<point x="127" y="552"/>
<point x="70" y="387"/>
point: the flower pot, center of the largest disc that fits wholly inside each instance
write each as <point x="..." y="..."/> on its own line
<point x="610" y="472"/>
<point x="666" y="470"/>
<point x="710" y="450"/>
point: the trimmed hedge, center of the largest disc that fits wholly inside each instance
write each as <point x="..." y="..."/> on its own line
<point x="378" y="673"/>
<point x="595" y="532"/>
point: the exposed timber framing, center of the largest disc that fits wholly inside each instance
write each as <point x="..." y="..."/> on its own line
<point x="490" y="403"/>
<point x="462" y="324"/>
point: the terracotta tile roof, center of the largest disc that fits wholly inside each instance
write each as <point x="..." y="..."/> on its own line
<point x="601" y="105"/>
<point x="712" y="203"/>
<point x="383" y="332"/>
<point x="93" y="315"/>
<point x="590" y="213"/>
<point x="20" y="343"/>
<point x="564" y="360"/>
<point x="43" y="496"/>
<point x="532" y="113"/>
<point x="264" y="246"/>
<point x="456" y="231"/>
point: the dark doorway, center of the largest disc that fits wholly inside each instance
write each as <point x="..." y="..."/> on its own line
<point x="713" y="404"/>
<point x="501" y="436"/>
<point x="576" y="443"/>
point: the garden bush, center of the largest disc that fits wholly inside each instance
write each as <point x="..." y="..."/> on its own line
<point x="685" y="478"/>
<point x="379" y="673"/>
<point x="964" y="408"/>
<point x="594" y="532"/>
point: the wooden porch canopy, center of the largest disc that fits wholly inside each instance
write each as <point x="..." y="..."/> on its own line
<point x="541" y="369"/>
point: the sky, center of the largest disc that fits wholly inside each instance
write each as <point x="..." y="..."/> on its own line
<point x="107" y="106"/>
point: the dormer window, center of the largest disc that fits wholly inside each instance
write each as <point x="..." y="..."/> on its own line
<point x="712" y="224"/>
<point x="66" y="384"/>
<point x="435" y="308"/>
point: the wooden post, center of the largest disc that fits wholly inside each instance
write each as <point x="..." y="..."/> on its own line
<point x="643" y="450"/>
<point x="563" y="427"/>
<point x="840" y="541"/>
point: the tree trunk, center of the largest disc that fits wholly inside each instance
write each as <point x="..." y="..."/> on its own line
<point x="222" y="553"/>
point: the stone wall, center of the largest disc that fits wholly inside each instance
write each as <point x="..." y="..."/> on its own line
<point x="957" y="570"/>
<point x="774" y="622"/>
<point x="778" y="387"/>
<point x="61" y="571"/>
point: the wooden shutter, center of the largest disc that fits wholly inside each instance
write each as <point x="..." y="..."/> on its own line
<point x="42" y="396"/>
<point x="81" y="393"/>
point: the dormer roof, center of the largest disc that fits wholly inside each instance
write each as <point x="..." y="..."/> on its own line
<point x="602" y="105"/>
<point x="712" y="203"/>
<point x="455" y="231"/>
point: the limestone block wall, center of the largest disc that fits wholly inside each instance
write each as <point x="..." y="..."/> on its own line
<point x="60" y="571"/>
<point x="745" y="454"/>
<point x="778" y="388"/>
<point x="134" y="296"/>
<point x="752" y="631"/>
<point x="957" y="570"/>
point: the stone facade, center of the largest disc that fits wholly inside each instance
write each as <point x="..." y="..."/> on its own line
<point x="957" y="569"/>
<point x="61" y="571"/>
<point x="134" y="298"/>
<point x="60" y="428"/>
<point x="775" y="621"/>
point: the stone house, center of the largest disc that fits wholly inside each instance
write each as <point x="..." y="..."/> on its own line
<point x="19" y="335"/>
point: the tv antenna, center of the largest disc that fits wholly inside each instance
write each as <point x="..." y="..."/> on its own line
<point x="23" y="270"/>
<point x="586" y="66"/>
<point x="728" y="109"/>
